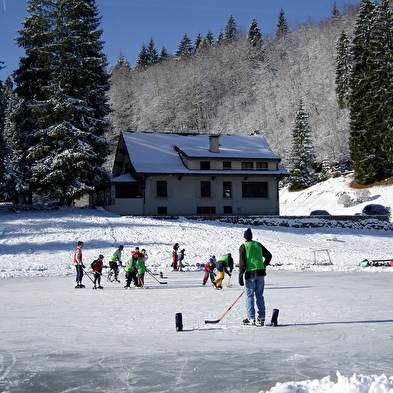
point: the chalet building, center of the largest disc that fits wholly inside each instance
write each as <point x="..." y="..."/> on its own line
<point x="179" y="175"/>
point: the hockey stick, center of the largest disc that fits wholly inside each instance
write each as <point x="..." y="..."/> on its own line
<point x="225" y="313"/>
<point x="161" y="282"/>
<point x="87" y="275"/>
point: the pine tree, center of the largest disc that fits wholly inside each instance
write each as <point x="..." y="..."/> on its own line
<point x="197" y="43"/>
<point x="380" y="106"/>
<point x="208" y="39"/>
<point x="230" y="31"/>
<point x="367" y="101"/>
<point x="2" y="140"/>
<point x="185" y="48"/>
<point x="282" y="25"/>
<point x="121" y="61"/>
<point x="163" y="54"/>
<point x="343" y="70"/>
<point x="335" y="11"/>
<point x="14" y="185"/>
<point x="152" y="52"/>
<point x="69" y="148"/>
<point x="220" y="37"/>
<point x="302" y="157"/>
<point x="254" y="33"/>
<point x="31" y="77"/>
<point x="143" y="58"/>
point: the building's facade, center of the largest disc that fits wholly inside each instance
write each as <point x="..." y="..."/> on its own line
<point x="180" y="175"/>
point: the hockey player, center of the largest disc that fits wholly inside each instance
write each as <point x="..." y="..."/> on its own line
<point x="208" y="269"/>
<point x="114" y="267"/>
<point x="79" y="266"/>
<point x="97" y="266"/>
<point x="222" y="267"/>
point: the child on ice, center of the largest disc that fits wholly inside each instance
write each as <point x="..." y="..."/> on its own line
<point x="141" y="270"/>
<point x="208" y="268"/>
<point x="97" y="266"/>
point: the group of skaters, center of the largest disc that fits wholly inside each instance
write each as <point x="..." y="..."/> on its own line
<point x="134" y="267"/>
<point x="224" y="265"/>
<point x="253" y="259"/>
<point x="178" y="258"/>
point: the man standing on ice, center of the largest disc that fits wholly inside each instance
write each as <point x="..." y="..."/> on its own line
<point x="79" y="265"/>
<point x="253" y="259"/>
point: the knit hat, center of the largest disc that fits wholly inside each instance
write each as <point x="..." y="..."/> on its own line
<point x="100" y="256"/>
<point x="248" y="234"/>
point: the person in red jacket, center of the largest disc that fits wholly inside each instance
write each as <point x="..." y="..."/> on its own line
<point x="97" y="266"/>
<point x="208" y="269"/>
<point x="174" y="256"/>
<point x="79" y="266"/>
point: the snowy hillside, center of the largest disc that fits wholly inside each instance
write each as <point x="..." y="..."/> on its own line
<point x="325" y="196"/>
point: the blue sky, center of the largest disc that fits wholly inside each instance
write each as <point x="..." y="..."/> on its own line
<point x="127" y="24"/>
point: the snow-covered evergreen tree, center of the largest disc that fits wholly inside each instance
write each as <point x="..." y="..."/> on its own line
<point x="254" y="33"/>
<point x="282" y="25"/>
<point x="207" y="40"/>
<point x="343" y="69"/>
<point x="381" y="96"/>
<point x="69" y="148"/>
<point x="143" y="58"/>
<point x="335" y="11"/>
<point x="13" y="184"/>
<point x="31" y="77"/>
<point x="197" y="42"/>
<point x="185" y="48"/>
<point x="152" y="52"/>
<point x="302" y="157"/>
<point x="163" y="54"/>
<point x="2" y="140"/>
<point x="230" y="31"/>
<point x="369" y="91"/>
<point x="121" y="61"/>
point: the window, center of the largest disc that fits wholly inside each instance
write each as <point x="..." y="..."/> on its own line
<point x="133" y="190"/>
<point x="204" y="165"/>
<point x="227" y="165"/>
<point x="254" y="189"/>
<point x="206" y="210"/>
<point x="161" y="188"/>
<point x="227" y="189"/>
<point x="227" y="209"/>
<point x="162" y="210"/>
<point x="261" y="165"/>
<point x="205" y="189"/>
<point x="247" y="165"/>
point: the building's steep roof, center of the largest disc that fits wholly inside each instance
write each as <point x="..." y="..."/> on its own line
<point x="156" y="153"/>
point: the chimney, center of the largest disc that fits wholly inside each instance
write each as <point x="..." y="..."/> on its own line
<point x="214" y="144"/>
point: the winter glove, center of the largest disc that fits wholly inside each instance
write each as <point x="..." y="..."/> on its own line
<point x="241" y="281"/>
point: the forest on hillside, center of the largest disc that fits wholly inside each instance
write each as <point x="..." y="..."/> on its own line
<point x="234" y="87"/>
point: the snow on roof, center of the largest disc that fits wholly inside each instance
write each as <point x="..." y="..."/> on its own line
<point x="126" y="178"/>
<point x="155" y="152"/>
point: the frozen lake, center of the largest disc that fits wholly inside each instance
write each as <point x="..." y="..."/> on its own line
<point x="54" y="338"/>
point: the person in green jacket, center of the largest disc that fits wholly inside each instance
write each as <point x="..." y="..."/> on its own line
<point x="253" y="259"/>
<point x="141" y="270"/>
<point x="114" y="267"/>
<point x="222" y="267"/>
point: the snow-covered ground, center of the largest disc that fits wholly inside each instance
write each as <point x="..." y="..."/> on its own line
<point x="335" y="321"/>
